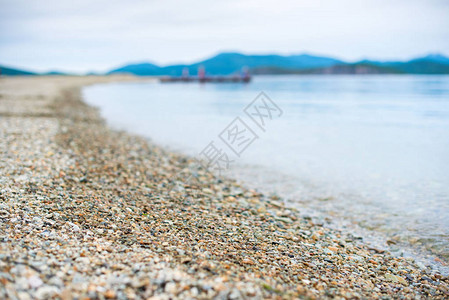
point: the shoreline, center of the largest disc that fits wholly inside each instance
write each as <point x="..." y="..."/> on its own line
<point x="90" y="212"/>
<point x="410" y="236"/>
<point x="425" y="257"/>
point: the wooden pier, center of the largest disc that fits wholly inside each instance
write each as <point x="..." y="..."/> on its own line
<point x="244" y="77"/>
<point x="217" y="79"/>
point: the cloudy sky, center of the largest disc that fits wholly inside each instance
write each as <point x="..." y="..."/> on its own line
<point x="97" y="35"/>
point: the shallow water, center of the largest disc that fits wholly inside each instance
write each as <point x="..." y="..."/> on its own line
<point x="369" y="150"/>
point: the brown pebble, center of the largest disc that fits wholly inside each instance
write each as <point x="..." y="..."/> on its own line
<point x="109" y="294"/>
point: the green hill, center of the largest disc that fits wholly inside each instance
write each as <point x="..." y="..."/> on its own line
<point x="6" y="71"/>
<point x="340" y="69"/>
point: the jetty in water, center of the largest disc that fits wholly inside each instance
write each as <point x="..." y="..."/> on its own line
<point x="244" y="77"/>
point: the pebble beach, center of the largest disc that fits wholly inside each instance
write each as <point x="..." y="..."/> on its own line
<point x="87" y="212"/>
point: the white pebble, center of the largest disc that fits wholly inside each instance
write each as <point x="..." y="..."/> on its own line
<point x="35" y="281"/>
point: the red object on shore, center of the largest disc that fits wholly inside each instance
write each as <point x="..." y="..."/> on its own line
<point x="201" y="72"/>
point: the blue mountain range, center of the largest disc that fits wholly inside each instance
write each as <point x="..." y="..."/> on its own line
<point x="231" y="63"/>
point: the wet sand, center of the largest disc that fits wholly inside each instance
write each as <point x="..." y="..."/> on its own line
<point x="88" y="212"/>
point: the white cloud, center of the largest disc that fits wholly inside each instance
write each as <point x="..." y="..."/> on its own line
<point x="85" y="34"/>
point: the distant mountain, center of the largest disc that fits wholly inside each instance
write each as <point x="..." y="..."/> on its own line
<point x="232" y="63"/>
<point x="436" y="57"/>
<point x="8" y="71"/>
<point x="229" y="63"/>
<point x="55" y="73"/>
<point x="355" y="69"/>
<point x="141" y="69"/>
<point x="339" y="69"/>
<point x="420" y="66"/>
<point x="14" y="72"/>
<point x="430" y="64"/>
<point x="423" y="67"/>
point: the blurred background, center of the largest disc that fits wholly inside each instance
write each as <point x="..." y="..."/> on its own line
<point x="96" y="36"/>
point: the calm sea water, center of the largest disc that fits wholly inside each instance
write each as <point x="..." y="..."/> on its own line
<point x="371" y="151"/>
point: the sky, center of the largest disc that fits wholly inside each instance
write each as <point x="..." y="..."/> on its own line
<point x="88" y="35"/>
